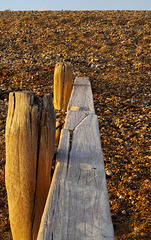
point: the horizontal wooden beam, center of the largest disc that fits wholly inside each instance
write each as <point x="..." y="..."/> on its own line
<point x="77" y="206"/>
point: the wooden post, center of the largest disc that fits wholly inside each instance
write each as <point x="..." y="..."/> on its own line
<point x="30" y="145"/>
<point x="62" y="85"/>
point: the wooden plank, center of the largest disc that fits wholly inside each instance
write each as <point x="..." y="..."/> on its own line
<point x="75" y="117"/>
<point x="81" y="97"/>
<point x="88" y="201"/>
<point x="82" y="81"/>
<point x="52" y="212"/>
<point x="78" y="206"/>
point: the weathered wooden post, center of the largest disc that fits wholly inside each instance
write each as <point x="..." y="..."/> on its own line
<point x="62" y="85"/>
<point x="30" y="145"/>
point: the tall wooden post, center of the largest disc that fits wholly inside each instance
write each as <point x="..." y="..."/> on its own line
<point x="62" y="85"/>
<point x="30" y="146"/>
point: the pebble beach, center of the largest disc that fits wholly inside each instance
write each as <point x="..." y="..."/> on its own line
<point x="113" y="49"/>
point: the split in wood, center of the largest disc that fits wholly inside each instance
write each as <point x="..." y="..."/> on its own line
<point x="77" y="206"/>
<point x="30" y="146"/>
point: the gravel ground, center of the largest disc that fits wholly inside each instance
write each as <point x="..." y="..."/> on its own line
<point x="113" y="49"/>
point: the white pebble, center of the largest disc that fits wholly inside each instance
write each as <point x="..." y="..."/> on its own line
<point x="109" y="172"/>
<point x="123" y="212"/>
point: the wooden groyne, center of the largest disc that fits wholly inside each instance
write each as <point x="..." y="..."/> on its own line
<point x="77" y="206"/>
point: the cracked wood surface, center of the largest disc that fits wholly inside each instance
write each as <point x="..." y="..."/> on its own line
<point x="30" y="146"/>
<point x="77" y="205"/>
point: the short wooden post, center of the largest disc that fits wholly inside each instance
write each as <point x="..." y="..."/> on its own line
<point x="62" y="85"/>
<point x="30" y="146"/>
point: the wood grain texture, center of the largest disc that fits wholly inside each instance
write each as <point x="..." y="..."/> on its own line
<point x="62" y="85"/>
<point x="30" y="144"/>
<point x="81" y="97"/>
<point x="75" y="117"/>
<point x="78" y="206"/>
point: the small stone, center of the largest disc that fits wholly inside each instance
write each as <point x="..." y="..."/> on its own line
<point x="93" y="65"/>
<point x="58" y="114"/>
<point x="25" y="60"/>
<point x="109" y="172"/>
<point x="123" y="212"/>
<point x="2" y="203"/>
<point x="98" y="65"/>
